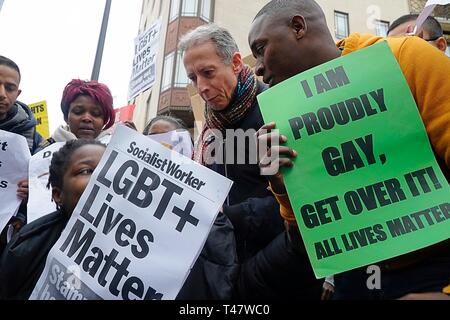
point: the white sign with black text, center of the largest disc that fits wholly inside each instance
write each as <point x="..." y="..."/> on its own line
<point x="146" y="47"/>
<point x="14" y="158"/>
<point x="138" y="228"/>
<point x="179" y="141"/>
<point x="40" y="197"/>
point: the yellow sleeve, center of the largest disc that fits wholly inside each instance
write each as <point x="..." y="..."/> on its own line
<point x="286" y="211"/>
<point x="427" y="71"/>
<point x="446" y="290"/>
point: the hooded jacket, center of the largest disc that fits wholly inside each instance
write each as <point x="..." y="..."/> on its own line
<point x="426" y="70"/>
<point x="20" y="120"/>
<point x="23" y="260"/>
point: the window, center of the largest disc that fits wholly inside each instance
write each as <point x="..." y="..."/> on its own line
<point x="190" y="8"/>
<point x="174" y="9"/>
<point x="206" y="13"/>
<point x="341" y="24"/>
<point x="181" y="78"/>
<point x="168" y="71"/>
<point x="381" y="28"/>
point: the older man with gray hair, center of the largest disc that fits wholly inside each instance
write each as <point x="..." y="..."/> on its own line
<point x="229" y="88"/>
<point x="271" y="264"/>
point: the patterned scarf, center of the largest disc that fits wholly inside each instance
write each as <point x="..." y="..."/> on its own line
<point x="244" y="97"/>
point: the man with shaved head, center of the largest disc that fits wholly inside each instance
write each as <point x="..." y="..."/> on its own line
<point x="288" y="37"/>
<point x="431" y="30"/>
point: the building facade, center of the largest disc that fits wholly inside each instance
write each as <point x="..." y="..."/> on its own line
<point x="170" y="96"/>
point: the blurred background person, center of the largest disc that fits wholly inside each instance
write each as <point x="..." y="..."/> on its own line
<point x="431" y="30"/>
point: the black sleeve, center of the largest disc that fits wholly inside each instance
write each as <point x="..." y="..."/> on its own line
<point x="256" y="221"/>
<point x="213" y="274"/>
<point x="23" y="259"/>
<point x="21" y="216"/>
<point x="22" y="213"/>
<point x="280" y="271"/>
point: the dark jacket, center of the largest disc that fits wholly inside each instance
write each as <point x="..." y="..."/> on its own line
<point x="279" y="271"/>
<point x="20" y="120"/>
<point x="23" y="260"/>
<point x="250" y="206"/>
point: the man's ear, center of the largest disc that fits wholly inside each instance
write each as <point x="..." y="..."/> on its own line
<point x="410" y="28"/>
<point x="441" y="44"/>
<point x="237" y="63"/>
<point x="57" y="196"/>
<point x="299" y="26"/>
<point x="19" y="92"/>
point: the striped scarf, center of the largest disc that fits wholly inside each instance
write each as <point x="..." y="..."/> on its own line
<point x="244" y="97"/>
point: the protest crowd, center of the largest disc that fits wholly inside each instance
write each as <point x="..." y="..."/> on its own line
<point x="167" y="217"/>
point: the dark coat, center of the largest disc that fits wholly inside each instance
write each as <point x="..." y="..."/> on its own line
<point x="20" y="120"/>
<point x="23" y="260"/>
<point x="280" y="271"/>
<point x="251" y="207"/>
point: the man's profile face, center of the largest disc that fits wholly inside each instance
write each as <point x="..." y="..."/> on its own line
<point x="214" y="80"/>
<point x="276" y="50"/>
<point x="9" y="89"/>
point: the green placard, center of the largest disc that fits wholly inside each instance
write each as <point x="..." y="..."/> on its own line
<point x="365" y="186"/>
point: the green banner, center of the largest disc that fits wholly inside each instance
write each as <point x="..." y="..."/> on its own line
<point x="365" y="186"/>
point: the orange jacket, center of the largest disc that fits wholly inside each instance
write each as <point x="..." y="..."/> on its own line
<point x="427" y="72"/>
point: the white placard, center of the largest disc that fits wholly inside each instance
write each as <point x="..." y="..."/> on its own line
<point x="138" y="227"/>
<point x="179" y="141"/>
<point x="441" y="2"/>
<point x="40" y="197"/>
<point x="427" y="10"/>
<point x="146" y="47"/>
<point x="14" y="158"/>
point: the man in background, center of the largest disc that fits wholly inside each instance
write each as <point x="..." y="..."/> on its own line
<point x="16" y="117"/>
<point x="431" y="30"/>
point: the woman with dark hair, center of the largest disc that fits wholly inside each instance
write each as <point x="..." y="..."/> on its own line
<point x="172" y="133"/>
<point x="163" y="124"/>
<point x="88" y="110"/>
